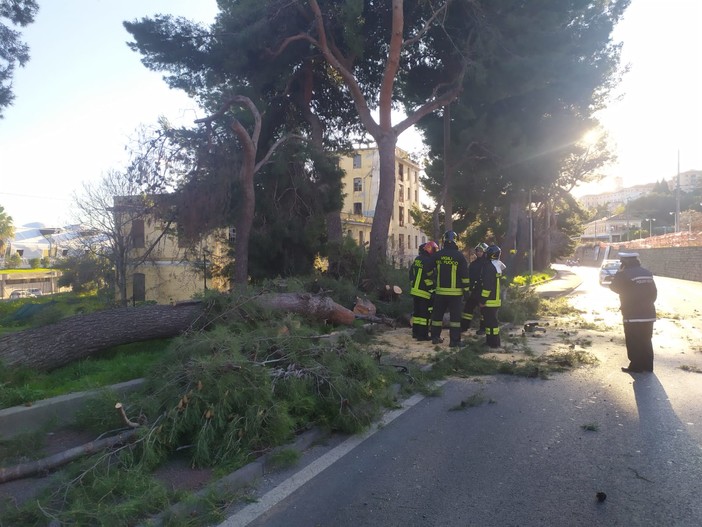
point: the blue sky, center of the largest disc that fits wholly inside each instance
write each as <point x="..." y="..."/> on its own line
<point x="83" y="95"/>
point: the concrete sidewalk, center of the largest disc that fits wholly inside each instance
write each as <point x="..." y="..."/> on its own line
<point x="564" y="283"/>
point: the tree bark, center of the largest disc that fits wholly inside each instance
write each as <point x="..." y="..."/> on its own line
<point x="50" y="347"/>
<point x="319" y="307"/>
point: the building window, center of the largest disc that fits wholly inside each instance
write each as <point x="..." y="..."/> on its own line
<point x="138" y="234"/>
<point x="402" y="193"/>
<point x="357" y="186"/>
<point x="360" y="238"/>
<point x="139" y="287"/>
<point x="401" y="171"/>
<point x="349" y="234"/>
<point x="401" y="239"/>
<point x="409" y="242"/>
<point x="357" y="161"/>
<point x="392" y="241"/>
<point x="409" y="198"/>
<point x="416" y="196"/>
<point x="358" y="208"/>
<point x="401" y="214"/>
<point x="415" y="176"/>
<point x="232" y="234"/>
<point x="416" y="242"/>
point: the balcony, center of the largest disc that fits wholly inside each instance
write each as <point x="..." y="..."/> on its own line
<point x="347" y="217"/>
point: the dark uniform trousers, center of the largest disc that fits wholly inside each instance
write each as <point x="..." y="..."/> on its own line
<point x="639" y="349"/>
<point x="469" y="306"/>
<point x="492" y="326"/>
<point x="454" y="305"/>
<point x="421" y="317"/>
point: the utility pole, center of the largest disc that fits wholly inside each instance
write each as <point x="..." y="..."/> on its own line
<point x="677" y="198"/>
<point x="531" y="240"/>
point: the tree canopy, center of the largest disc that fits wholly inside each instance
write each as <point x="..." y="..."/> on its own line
<point x="13" y="52"/>
<point x="523" y="82"/>
<point x="518" y="127"/>
<point x="7" y="229"/>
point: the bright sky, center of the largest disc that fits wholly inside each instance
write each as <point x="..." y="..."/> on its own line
<point x="84" y="93"/>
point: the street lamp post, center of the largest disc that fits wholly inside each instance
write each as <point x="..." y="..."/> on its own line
<point x="531" y="240"/>
<point x="650" y="230"/>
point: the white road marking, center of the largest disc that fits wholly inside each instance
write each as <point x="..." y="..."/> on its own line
<point x="290" y="485"/>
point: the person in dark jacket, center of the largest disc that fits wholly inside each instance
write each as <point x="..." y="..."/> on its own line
<point x="421" y="276"/>
<point x="637" y="296"/>
<point x="491" y="294"/>
<point x="451" y="283"/>
<point x="472" y="297"/>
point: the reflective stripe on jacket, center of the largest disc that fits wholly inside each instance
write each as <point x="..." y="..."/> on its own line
<point x="421" y="275"/>
<point x="491" y="278"/>
<point x="451" y="271"/>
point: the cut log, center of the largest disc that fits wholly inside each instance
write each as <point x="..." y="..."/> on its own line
<point x="364" y="307"/>
<point x="390" y="292"/>
<point x="50" y="347"/>
<point x="318" y="307"/>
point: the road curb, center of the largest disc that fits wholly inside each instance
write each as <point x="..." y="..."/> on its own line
<point x="55" y="411"/>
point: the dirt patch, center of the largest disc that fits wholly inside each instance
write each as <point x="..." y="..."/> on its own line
<point x="398" y="346"/>
<point x="177" y="474"/>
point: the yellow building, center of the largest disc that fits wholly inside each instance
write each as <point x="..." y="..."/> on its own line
<point x="162" y="269"/>
<point x="361" y="183"/>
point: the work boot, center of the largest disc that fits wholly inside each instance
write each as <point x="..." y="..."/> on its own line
<point x="455" y="344"/>
<point x="423" y="334"/>
<point x="437" y="340"/>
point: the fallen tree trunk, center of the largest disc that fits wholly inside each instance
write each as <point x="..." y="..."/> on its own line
<point x="50" y="347"/>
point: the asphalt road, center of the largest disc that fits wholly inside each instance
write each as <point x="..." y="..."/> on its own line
<point x="536" y="453"/>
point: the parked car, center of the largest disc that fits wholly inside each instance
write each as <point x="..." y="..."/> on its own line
<point x="607" y="271"/>
<point x="19" y="293"/>
<point x="35" y="291"/>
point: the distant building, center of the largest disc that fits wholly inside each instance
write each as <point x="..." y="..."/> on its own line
<point x="616" y="198"/>
<point x="33" y="241"/>
<point x="162" y="267"/>
<point x="36" y="240"/>
<point x="612" y="229"/>
<point x="361" y="186"/>
<point x="689" y="181"/>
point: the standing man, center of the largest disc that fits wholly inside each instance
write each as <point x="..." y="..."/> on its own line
<point x="472" y="298"/>
<point x="637" y="295"/>
<point x="451" y="283"/>
<point x="421" y="275"/>
<point x="491" y="295"/>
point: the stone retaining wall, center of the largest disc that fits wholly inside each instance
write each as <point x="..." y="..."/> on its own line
<point x="674" y="262"/>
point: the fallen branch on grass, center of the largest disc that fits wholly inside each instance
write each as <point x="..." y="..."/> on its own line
<point x="24" y="470"/>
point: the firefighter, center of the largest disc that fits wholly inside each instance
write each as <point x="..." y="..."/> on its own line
<point x="490" y="297"/>
<point x="421" y="275"/>
<point x="472" y="297"/>
<point x="451" y="283"/>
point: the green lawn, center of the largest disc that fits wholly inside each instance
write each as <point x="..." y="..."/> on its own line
<point x="122" y="363"/>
